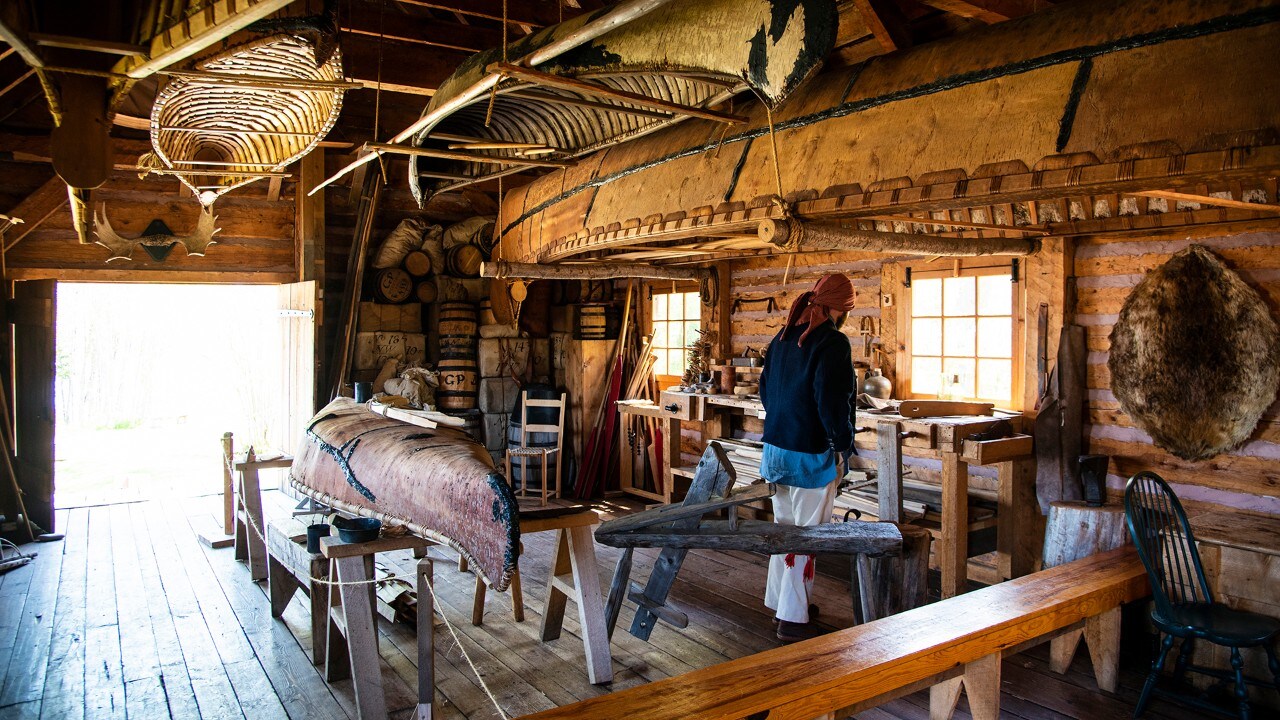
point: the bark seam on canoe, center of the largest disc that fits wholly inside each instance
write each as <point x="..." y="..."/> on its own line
<point x="1252" y="18"/>
<point x="344" y="461"/>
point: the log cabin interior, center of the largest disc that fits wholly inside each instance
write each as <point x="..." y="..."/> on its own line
<point x="533" y="257"/>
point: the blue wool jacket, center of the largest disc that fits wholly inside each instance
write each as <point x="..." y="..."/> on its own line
<point x="808" y="392"/>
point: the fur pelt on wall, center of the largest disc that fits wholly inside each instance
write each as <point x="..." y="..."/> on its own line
<point x="1195" y="356"/>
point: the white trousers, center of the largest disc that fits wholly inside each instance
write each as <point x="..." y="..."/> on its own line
<point x="791" y="576"/>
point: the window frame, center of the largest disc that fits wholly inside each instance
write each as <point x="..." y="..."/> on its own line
<point x="668" y="288"/>
<point x="967" y="267"/>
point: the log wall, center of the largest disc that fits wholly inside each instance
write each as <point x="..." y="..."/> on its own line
<point x="1106" y="270"/>
<point x="1100" y="272"/>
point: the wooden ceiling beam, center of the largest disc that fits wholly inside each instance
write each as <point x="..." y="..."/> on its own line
<point x="405" y="68"/>
<point x="531" y="14"/>
<point x="1208" y="200"/>
<point x="365" y="19"/>
<point x="584" y="271"/>
<point x="219" y="20"/>
<point x="17" y="40"/>
<point x="35" y="208"/>
<point x="89" y="45"/>
<point x="886" y="22"/>
<point x="836" y="236"/>
<point x="988" y="11"/>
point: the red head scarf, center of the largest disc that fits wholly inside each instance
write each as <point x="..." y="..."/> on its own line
<point x="812" y="308"/>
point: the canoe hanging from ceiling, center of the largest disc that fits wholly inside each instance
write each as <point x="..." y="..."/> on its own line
<point x="681" y="60"/>
<point x="245" y="113"/>
<point x="1086" y="90"/>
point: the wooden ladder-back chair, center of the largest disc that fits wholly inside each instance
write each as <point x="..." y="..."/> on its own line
<point x="1184" y="607"/>
<point x="524" y="452"/>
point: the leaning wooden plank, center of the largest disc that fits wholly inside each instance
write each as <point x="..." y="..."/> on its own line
<point x="671" y="513"/>
<point x="853" y="666"/>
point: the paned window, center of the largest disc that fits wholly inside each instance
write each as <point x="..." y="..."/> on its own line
<point x="676" y="319"/>
<point x="962" y="336"/>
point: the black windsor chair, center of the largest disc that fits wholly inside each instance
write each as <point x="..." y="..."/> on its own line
<point x="1184" y="607"/>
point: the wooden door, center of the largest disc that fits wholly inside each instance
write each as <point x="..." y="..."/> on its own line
<point x="32" y="312"/>
<point x="297" y="308"/>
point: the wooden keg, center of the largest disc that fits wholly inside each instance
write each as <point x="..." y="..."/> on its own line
<point x="458" y="382"/>
<point x="486" y="313"/>
<point x="417" y="263"/>
<point x="392" y="286"/>
<point x="464" y="261"/>
<point x="457" y="319"/>
<point x="426" y="291"/>
<point x="592" y="322"/>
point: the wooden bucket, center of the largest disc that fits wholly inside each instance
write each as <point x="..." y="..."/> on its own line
<point x="417" y="263"/>
<point x="392" y="286"/>
<point x="593" y="322"/>
<point x="464" y="261"/>
<point x="426" y="291"/>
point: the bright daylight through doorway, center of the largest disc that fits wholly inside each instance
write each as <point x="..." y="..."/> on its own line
<point x="149" y="377"/>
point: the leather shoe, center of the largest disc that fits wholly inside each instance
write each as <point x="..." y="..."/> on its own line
<point x="789" y="632"/>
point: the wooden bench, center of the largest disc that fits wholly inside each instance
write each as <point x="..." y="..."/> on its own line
<point x="954" y="643"/>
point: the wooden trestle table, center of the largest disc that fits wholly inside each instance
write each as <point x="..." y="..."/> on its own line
<point x="941" y="438"/>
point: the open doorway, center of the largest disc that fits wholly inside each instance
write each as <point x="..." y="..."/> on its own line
<point x="149" y="377"/>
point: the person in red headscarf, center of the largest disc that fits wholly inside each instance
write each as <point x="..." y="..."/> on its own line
<point x="808" y="395"/>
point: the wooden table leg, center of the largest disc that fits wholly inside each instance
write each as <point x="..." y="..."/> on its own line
<point x="553" y="608"/>
<point x="889" y="471"/>
<point x="982" y="686"/>
<point x="1102" y="637"/>
<point x="586" y="579"/>
<point x="362" y="639"/>
<point x="953" y="554"/>
<point x="426" y="639"/>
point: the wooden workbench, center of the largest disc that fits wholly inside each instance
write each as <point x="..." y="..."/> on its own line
<point x="938" y="437"/>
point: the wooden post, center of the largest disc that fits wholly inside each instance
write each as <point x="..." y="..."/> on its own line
<point x="426" y="639"/>
<point x="889" y="471"/>
<point x="228" y="485"/>
<point x="1016" y="538"/>
<point x="309" y="225"/>
<point x="953" y="556"/>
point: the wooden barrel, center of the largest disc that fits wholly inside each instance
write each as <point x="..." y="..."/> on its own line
<point x="417" y="263"/>
<point x="392" y="286"/>
<point x="457" y="319"/>
<point x="458" y="380"/>
<point x="473" y="424"/>
<point x="464" y="261"/>
<point x="592" y="322"/>
<point x="486" y="313"/>
<point x="426" y="291"/>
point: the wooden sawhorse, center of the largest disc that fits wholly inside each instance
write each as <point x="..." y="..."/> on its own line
<point x="250" y="524"/>
<point x="291" y="568"/>
<point x="355" y="620"/>
<point x="574" y="575"/>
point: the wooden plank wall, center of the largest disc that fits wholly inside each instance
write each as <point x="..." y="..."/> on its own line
<point x="1106" y="271"/>
<point x="255" y="244"/>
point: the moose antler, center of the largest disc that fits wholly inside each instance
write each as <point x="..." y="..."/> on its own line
<point x="199" y="241"/>
<point x="121" y="248"/>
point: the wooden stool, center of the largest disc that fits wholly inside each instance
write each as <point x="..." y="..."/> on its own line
<point x="291" y="568"/>
<point x="356" y="620"/>
<point x="250" y="523"/>
<point x="573" y="576"/>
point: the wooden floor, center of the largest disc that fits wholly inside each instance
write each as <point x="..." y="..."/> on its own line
<point x="131" y="617"/>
